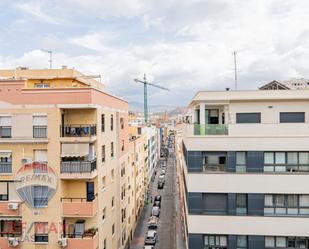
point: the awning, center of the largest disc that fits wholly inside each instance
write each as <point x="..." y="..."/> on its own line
<point x="10" y="218"/>
<point x="7" y="154"/>
<point x="74" y="150"/>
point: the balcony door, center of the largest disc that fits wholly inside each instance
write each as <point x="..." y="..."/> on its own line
<point x="212" y="116"/>
<point x="90" y="191"/>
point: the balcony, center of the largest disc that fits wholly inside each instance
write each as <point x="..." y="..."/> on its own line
<point x="5" y="167"/>
<point x="88" y="240"/>
<point x="5" y="210"/>
<point x="78" y="133"/>
<point x="4" y="241"/>
<point x="5" y="131"/>
<point x="210" y="129"/>
<point x="78" y="169"/>
<point x="79" y="207"/>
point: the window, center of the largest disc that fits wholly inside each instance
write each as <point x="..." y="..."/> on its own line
<point x="5" y="126"/>
<point x="122" y="123"/>
<point x="103" y="182"/>
<point x="41" y="232"/>
<point x="41" y="85"/>
<point x="215" y="203"/>
<point x="286" y="242"/>
<point x="212" y="116"/>
<point x="241" y="204"/>
<point x="112" y="122"/>
<point x="113" y="201"/>
<point x="104" y="215"/>
<point x="286" y="162"/>
<point x="4" y="191"/>
<point x="40" y="194"/>
<point x="241" y="161"/>
<point x="113" y="229"/>
<point x="112" y="149"/>
<point x="122" y="145"/>
<point x="113" y="175"/>
<point x="292" y="117"/>
<point x="215" y="242"/>
<point x="5" y="162"/>
<point x="290" y="204"/>
<point x="103" y="153"/>
<point x="243" y="118"/>
<point x="103" y="122"/>
<point x="214" y="162"/>
<point x="40" y="126"/>
<point x="104" y="244"/>
<point x="40" y="156"/>
<point x="242" y="242"/>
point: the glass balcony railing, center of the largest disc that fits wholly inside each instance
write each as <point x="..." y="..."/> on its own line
<point x="210" y="129"/>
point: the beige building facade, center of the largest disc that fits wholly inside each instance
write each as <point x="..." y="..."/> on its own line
<point x="68" y="170"/>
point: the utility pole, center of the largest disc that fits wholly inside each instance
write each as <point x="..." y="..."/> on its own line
<point x="235" y="68"/>
<point x="50" y="57"/>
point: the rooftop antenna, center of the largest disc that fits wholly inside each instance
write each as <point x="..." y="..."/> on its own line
<point x="50" y="57"/>
<point x="235" y="68"/>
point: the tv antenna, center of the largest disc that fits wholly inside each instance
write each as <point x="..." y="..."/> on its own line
<point x="235" y="68"/>
<point x="50" y="57"/>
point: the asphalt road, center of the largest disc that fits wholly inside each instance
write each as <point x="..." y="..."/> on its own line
<point x="167" y="229"/>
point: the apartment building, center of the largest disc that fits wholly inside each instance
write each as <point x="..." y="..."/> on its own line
<point x="66" y="168"/>
<point x="153" y="136"/>
<point x="245" y="156"/>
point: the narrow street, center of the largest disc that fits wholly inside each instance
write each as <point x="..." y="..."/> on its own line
<point x="169" y="234"/>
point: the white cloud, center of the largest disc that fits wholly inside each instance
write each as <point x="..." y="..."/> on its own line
<point x="189" y="44"/>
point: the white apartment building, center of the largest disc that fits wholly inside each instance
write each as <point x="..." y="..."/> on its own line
<point x="246" y="169"/>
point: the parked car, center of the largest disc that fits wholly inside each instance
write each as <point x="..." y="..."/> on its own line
<point x="153" y="223"/>
<point x="161" y="177"/>
<point x="161" y="184"/>
<point x="157" y="204"/>
<point x="151" y="237"/>
<point x="155" y="211"/>
<point x="148" y="247"/>
<point x="158" y="198"/>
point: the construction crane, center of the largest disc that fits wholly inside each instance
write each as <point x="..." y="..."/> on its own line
<point x="145" y="82"/>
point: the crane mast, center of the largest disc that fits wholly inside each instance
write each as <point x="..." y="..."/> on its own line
<point x="144" y="81"/>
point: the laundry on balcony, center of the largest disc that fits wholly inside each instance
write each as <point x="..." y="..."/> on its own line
<point x="78" y="130"/>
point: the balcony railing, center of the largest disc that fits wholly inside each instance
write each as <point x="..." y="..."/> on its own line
<point x="5" y="167"/>
<point x="214" y="167"/>
<point x="78" y="130"/>
<point x="210" y="129"/>
<point x="40" y="131"/>
<point x="78" y="166"/>
<point x="86" y="240"/>
<point x="80" y="207"/>
<point x="5" y="131"/>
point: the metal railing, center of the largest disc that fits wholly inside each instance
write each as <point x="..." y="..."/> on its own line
<point x="78" y="166"/>
<point x="40" y="131"/>
<point x="90" y="233"/>
<point x="5" y="167"/>
<point x="79" y="199"/>
<point x="210" y="129"/>
<point x="214" y="168"/>
<point x="78" y="130"/>
<point x="5" y="131"/>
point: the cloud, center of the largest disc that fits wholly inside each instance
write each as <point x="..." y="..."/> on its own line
<point x="35" y="9"/>
<point x="184" y="45"/>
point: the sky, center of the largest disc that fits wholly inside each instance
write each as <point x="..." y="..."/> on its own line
<point x="185" y="45"/>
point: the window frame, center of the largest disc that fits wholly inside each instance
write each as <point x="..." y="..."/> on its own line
<point x="301" y="119"/>
<point x="244" y="118"/>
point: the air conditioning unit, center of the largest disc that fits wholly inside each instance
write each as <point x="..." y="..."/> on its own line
<point x="13" y="206"/>
<point x="13" y="242"/>
<point x="62" y="243"/>
<point x="26" y="160"/>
